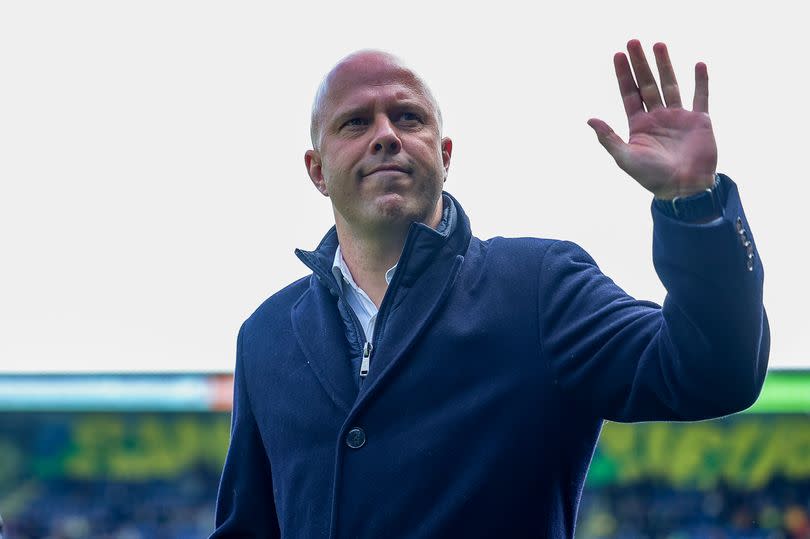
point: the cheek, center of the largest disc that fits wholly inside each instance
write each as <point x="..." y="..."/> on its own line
<point x="341" y="159"/>
<point x="430" y="157"/>
<point x="428" y="150"/>
<point x="335" y="171"/>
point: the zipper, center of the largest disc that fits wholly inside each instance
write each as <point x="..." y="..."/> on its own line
<point x="382" y="312"/>
<point x="358" y="329"/>
<point x="366" y="345"/>
<point x="326" y="280"/>
<point x="367" y="348"/>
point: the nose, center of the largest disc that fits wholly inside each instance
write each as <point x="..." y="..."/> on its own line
<point x="385" y="137"/>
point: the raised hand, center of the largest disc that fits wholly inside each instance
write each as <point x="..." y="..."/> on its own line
<point x="671" y="151"/>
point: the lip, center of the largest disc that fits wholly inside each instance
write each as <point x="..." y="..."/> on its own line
<point x="387" y="168"/>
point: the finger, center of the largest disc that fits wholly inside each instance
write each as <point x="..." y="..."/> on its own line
<point x="701" y="102"/>
<point x="646" y="82"/>
<point x="669" y="86"/>
<point x="608" y="138"/>
<point x="627" y="85"/>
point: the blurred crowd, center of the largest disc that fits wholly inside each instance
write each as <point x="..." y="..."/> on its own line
<point x="184" y="509"/>
<point x="180" y="509"/>
<point x="649" y="511"/>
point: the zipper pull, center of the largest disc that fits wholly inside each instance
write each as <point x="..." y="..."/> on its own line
<point x="366" y="358"/>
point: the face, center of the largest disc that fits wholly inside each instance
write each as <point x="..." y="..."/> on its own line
<point x="381" y="158"/>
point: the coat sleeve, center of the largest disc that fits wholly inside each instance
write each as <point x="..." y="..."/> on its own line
<point x="245" y="504"/>
<point x="703" y="354"/>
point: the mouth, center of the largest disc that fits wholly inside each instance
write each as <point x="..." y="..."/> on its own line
<point x="387" y="168"/>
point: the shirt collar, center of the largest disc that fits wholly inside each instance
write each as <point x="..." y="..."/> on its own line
<point x="452" y="238"/>
<point x="341" y="271"/>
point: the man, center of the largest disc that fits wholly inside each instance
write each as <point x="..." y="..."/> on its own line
<point x="425" y="383"/>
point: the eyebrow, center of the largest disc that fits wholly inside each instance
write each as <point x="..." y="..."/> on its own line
<point x="349" y="113"/>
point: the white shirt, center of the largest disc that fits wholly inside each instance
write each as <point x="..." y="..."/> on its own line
<point x="357" y="299"/>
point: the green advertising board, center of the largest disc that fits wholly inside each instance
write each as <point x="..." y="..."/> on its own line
<point x="746" y="450"/>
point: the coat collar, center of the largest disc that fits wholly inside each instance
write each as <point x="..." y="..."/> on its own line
<point x="426" y="269"/>
<point x="454" y="231"/>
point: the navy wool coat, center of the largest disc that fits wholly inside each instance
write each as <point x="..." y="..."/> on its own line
<point x="493" y="366"/>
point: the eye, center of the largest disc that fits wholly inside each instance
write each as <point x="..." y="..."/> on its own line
<point x="355" y="122"/>
<point x="410" y="117"/>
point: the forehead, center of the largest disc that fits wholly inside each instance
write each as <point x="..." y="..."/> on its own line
<point x="357" y="82"/>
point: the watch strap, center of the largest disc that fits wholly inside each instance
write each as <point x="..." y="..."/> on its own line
<point x="696" y="207"/>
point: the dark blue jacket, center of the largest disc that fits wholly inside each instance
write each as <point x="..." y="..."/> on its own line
<point x="494" y="364"/>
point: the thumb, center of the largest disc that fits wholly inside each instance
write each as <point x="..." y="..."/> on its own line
<point x="607" y="137"/>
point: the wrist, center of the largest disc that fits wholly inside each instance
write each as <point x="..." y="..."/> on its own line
<point x="689" y="189"/>
<point x="698" y="207"/>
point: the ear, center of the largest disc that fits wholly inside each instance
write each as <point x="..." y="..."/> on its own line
<point x="312" y="160"/>
<point x="447" y="152"/>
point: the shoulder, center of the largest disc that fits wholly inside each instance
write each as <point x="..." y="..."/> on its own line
<point x="528" y="250"/>
<point x="544" y="262"/>
<point x="524" y="262"/>
<point x="276" y="309"/>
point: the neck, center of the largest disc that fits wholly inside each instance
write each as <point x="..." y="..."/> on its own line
<point x="370" y="255"/>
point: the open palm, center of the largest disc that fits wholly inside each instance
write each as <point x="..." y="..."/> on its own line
<point x="671" y="151"/>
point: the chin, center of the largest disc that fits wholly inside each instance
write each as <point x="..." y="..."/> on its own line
<point x="394" y="208"/>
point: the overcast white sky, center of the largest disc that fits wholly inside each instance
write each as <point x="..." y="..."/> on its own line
<point x="152" y="185"/>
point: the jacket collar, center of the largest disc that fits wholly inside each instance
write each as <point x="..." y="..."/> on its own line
<point x="410" y="304"/>
<point x="421" y="245"/>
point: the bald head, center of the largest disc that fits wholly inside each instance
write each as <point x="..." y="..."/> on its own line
<point x="365" y="66"/>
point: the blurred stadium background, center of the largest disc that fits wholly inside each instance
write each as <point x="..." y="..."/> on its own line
<point x="150" y="150"/>
<point x="137" y="456"/>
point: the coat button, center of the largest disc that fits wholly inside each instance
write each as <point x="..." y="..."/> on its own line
<point x="356" y="438"/>
<point x="739" y="224"/>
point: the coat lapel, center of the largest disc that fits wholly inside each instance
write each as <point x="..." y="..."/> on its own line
<point x="425" y="275"/>
<point x="321" y="335"/>
<point x="410" y="313"/>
